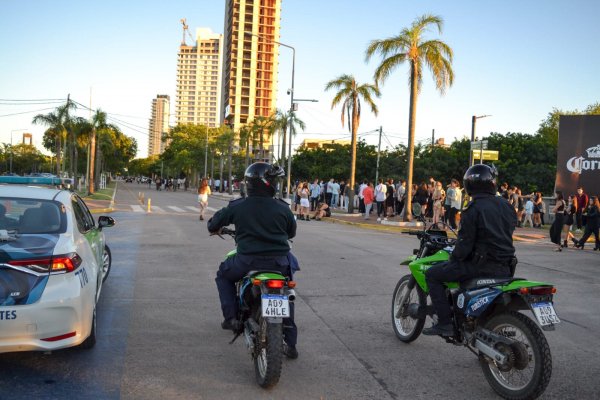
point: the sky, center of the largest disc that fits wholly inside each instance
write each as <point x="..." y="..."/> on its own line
<point x="513" y="60"/>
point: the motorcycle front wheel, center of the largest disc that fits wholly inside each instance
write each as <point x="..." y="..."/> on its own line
<point x="268" y="353"/>
<point x="529" y="369"/>
<point x="408" y="309"/>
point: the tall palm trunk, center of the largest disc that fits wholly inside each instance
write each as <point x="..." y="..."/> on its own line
<point x="58" y="150"/>
<point x="353" y="155"/>
<point x="411" y="139"/>
<point x="98" y="164"/>
<point x="283" y="148"/>
<point x="91" y="177"/>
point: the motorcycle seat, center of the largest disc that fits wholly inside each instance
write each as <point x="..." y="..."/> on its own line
<point x="481" y="282"/>
<point x="260" y="271"/>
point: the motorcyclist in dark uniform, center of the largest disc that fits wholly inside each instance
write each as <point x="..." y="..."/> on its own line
<point x="263" y="227"/>
<point x="484" y="245"/>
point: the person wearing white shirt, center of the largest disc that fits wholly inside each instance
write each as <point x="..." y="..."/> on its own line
<point x="380" y="191"/>
<point x="361" y="197"/>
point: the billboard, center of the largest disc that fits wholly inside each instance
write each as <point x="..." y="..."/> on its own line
<point x="578" y="161"/>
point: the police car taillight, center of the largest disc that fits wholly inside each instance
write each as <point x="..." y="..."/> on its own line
<point x="55" y="264"/>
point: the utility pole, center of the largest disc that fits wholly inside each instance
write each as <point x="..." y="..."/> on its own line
<point x="432" y="139"/>
<point x="473" y="122"/>
<point x="378" y="156"/>
<point x="229" y="160"/>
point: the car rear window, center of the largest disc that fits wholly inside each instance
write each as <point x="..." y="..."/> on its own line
<point x="32" y="216"/>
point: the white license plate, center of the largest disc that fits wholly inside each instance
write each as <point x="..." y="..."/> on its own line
<point x="275" y="306"/>
<point x="545" y="314"/>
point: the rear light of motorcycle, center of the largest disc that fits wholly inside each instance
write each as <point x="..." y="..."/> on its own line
<point x="291" y="284"/>
<point x="274" y="284"/>
<point x="538" y="290"/>
<point x="55" y="264"/>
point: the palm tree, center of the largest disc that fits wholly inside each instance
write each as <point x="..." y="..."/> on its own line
<point x="282" y="122"/>
<point x="58" y="123"/>
<point x="245" y="133"/>
<point x="349" y="95"/>
<point x="261" y="125"/>
<point x="410" y="46"/>
<point x="98" y="123"/>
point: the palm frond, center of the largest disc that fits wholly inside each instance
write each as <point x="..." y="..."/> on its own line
<point x="387" y="66"/>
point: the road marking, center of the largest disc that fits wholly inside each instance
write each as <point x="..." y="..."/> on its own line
<point x="157" y="209"/>
<point x="195" y="209"/>
<point x="137" y="208"/>
<point x="212" y="209"/>
<point x="176" y="209"/>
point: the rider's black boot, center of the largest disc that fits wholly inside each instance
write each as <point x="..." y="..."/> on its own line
<point x="290" y="351"/>
<point x="231" y="325"/>
<point x="439" y="330"/>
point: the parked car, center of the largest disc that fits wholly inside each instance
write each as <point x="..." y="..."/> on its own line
<point x="53" y="262"/>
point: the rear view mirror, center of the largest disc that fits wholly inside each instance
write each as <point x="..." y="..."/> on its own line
<point x="105" y="221"/>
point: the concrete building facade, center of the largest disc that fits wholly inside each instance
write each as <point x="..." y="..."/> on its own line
<point x="159" y="124"/>
<point x="199" y="69"/>
<point x="250" y="64"/>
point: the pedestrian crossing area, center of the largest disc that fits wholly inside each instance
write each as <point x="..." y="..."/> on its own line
<point x="167" y="209"/>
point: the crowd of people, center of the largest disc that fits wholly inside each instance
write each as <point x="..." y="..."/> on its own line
<point x="436" y="202"/>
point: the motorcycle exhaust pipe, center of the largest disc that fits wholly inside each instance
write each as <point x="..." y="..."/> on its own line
<point x="291" y="294"/>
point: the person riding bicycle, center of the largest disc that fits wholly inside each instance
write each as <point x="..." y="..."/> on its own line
<point x="484" y="246"/>
<point x="263" y="227"/>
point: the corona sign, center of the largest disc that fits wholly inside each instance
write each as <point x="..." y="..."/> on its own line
<point x="578" y="154"/>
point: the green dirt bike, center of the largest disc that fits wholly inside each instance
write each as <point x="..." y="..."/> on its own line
<point x="513" y="352"/>
<point x="264" y="301"/>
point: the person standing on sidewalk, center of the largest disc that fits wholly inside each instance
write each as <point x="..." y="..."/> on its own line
<point x="559" y="220"/>
<point x="335" y="194"/>
<point x="582" y="203"/>
<point x="528" y="213"/>
<point x="368" y="197"/>
<point x="380" y="191"/>
<point x="592" y="225"/>
<point x="203" y="192"/>
<point x="361" y="198"/>
<point x="569" y="219"/>
<point x="315" y="191"/>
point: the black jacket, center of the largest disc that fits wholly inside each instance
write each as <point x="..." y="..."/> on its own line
<point x="486" y="228"/>
<point x="263" y="225"/>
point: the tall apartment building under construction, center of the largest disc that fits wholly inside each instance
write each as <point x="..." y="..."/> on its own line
<point x="250" y="60"/>
<point x="199" y="68"/>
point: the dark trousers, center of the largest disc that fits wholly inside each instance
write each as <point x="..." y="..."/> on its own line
<point x="452" y="217"/>
<point x="579" y="219"/>
<point x="233" y="269"/>
<point x="435" y="277"/>
<point x="313" y="203"/>
<point x="454" y="271"/>
<point x="588" y="232"/>
<point x="380" y="208"/>
<point x="361" y="205"/>
<point x="328" y="198"/>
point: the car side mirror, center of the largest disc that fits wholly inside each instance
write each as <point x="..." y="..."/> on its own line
<point x="105" y="222"/>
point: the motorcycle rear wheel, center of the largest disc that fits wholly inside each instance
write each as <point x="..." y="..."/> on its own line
<point x="268" y="353"/>
<point x="530" y="379"/>
<point x="406" y="327"/>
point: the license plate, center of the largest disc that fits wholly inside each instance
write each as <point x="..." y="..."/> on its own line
<point x="275" y="306"/>
<point x="545" y="314"/>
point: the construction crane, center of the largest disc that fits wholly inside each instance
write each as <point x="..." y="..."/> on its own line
<point x="185" y="29"/>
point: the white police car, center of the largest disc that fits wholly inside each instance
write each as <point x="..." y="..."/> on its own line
<point x="53" y="261"/>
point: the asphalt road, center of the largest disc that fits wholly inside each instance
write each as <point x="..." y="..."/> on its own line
<point x="159" y="320"/>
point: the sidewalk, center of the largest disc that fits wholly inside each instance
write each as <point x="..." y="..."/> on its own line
<point x="394" y="224"/>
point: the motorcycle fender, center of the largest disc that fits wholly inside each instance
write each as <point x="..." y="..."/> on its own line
<point x="408" y="260"/>
<point x="481" y="301"/>
<point x="275" y="320"/>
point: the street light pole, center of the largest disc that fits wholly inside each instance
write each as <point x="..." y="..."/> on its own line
<point x="473" y="122"/>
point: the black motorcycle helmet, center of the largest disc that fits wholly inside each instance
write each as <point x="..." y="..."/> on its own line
<point x="480" y="178"/>
<point x="261" y="179"/>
